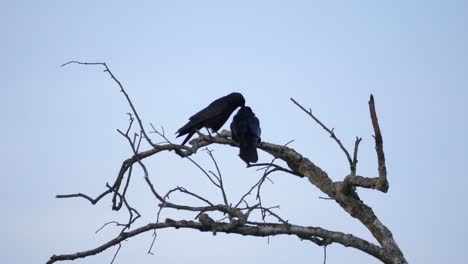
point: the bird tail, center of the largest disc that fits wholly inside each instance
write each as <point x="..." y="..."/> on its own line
<point x="248" y="151"/>
<point x="185" y="129"/>
<point x="189" y="129"/>
<point x="187" y="138"/>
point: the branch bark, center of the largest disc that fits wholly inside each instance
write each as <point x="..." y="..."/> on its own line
<point x="259" y="230"/>
<point x="378" y="183"/>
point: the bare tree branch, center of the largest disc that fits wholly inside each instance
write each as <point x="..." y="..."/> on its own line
<point x="355" y="155"/>
<point x="342" y="192"/>
<point x="378" y="183"/>
<point x="121" y="89"/>
<point x="91" y="200"/>
<point x="205" y="172"/>
<point x="261" y="230"/>
<point x="378" y="146"/>
<point x="324" y="254"/>
<point x="330" y="131"/>
<point x="116" y="253"/>
<point x="183" y="190"/>
<point x="219" y="177"/>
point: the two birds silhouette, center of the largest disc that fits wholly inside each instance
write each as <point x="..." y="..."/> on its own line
<point x="245" y="127"/>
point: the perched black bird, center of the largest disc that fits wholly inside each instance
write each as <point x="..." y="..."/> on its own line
<point x="213" y="116"/>
<point x="245" y="129"/>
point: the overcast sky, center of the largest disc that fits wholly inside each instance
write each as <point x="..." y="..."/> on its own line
<point x="174" y="57"/>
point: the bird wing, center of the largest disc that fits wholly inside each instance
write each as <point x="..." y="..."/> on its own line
<point x="199" y="119"/>
<point x="212" y="110"/>
<point x="254" y="126"/>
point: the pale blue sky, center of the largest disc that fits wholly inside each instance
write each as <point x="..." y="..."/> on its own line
<point x="174" y="57"/>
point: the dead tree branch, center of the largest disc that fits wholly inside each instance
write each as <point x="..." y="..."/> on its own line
<point x="106" y="69"/>
<point x="378" y="147"/>
<point x="378" y="183"/>
<point x="332" y="135"/>
<point x="237" y="220"/>
<point x="260" y="230"/>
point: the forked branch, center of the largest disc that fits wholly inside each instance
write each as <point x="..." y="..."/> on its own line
<point x="352" y="161"/>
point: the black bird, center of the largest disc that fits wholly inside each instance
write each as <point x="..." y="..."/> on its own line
<point x="213" y="116"/>
<point x="245" y="129"/>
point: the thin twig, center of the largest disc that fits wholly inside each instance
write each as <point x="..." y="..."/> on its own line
<point x="183" y="190"/>
<point x="150" y="250"/>
<point x="325" y="254"/>
<point x="122" y="89"/>
<point x="145" y="170"/>
<point x="219" y="176"/>
<point x="116" y="253"/>
<point x="331" y="132"/>
<point x="204" y="172"/>
<point x="355" y="155"/>
<point x="82" y="195"/>
<point x="106" y="224"/>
